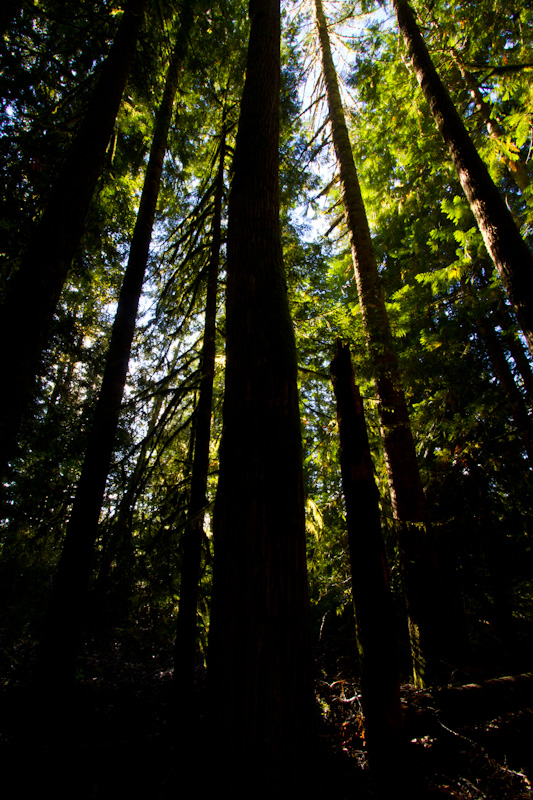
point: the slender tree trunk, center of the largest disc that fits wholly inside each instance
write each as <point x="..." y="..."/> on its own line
<point x="117" y="539"/>
<point x="501" y="317"/>
<point x="370" y="583"/>
<point x="510" y="254"/>
<point x="34" y="290"/>
<point x="112" y="543"/>
<point x="503" y="372"/>
<point x="66" y="369"/>
<point x="516" y="168"/>
<point x="60" y="640"/>
<point x="406" y="490"/>
<point x="259" y="659"/>
<point x="405" y="484"/>
<point x="516" y="349"/>
<point x="523" y="364"/>
<point x="186" y="629"/>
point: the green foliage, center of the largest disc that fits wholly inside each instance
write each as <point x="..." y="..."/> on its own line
<point x="436" y="279"/>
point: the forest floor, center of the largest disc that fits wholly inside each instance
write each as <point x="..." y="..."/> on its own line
<point x="115" y="738"/>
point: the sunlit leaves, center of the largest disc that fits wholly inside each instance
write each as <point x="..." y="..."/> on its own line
<point x="436" y="279"/>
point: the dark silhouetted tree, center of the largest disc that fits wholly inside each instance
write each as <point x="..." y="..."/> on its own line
<point x="58" y="650"/>
<point x="258" y="658"/>
<point x="33" y="292"/>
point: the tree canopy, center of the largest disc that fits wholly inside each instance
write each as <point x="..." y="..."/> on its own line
<point x="252" y="279"/>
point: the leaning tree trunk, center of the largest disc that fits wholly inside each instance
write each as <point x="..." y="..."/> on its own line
<point x="33" y="293"/>
<point x="113" y="541"/>
<point x="523" y="364"/>
<point x="259" y="659"/>
<point x="514" y="344"/>
<point x="427" y="618"/>
<point x="502" y="370"/>
<point x="510" y="254"/>
<point x="370" y="584"/>
<point x="516" y="168"/>
<point x="59" y="645"/>
<point x="186" y="626"/>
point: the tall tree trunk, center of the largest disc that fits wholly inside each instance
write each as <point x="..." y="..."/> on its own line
<point x="59" y="645"/>
<point x="259" y="659"/>
<point x="519" y="355"/>
<point x="370" y="584"/>
<point x="502" y="370"/>
<point x="503" y="318"/>
<point x="517" y="351"/>
<point x="515" y="167"/>
<point x="112" y="542"/>
<point x="186" y="629"/>
<point x="510" y="254"/>
<point x="402" y="468"/>
<point x="34" y="290"/>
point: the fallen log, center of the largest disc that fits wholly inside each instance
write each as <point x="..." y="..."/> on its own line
<point x="426" y="710"/>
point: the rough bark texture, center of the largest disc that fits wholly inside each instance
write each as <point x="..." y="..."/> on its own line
<point x="405" y="485"/>
<point x="59" y="644"/>
<point x="510" y="254"/>
<point x="186" y="628"/>
<point x="427" y="620"/>
<point x="259" y="660"/>
<point x="370" y="583"/>
<point x="33" y="292"/>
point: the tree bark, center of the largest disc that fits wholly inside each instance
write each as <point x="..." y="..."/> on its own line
<point x="370" y="582"/>
<point x="523" y="364"/>
<point x="186" y="626"/>
<point x="468" y="703"/>
<point x="407" y="496"/>
<point x="508" y="251"/>
<point x="405" y="485"/>
<point x="34" y="290"/>
<point x="59" y="645"/>
<point x="502" y="370"/>
<point x="515" y="167"/>
<point x="517" y="351"/>
<point x="259" y="658"/>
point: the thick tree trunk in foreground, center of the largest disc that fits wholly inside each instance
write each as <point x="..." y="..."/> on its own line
<point x="60" y="640"/>
<point x="407" y="496"/>
<point x="186" y="630"/>
<point x="33" y="292"/>
<point x="259" y="659"/>
<point x="510" y="254"/>
<point x="370" y="584"/>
